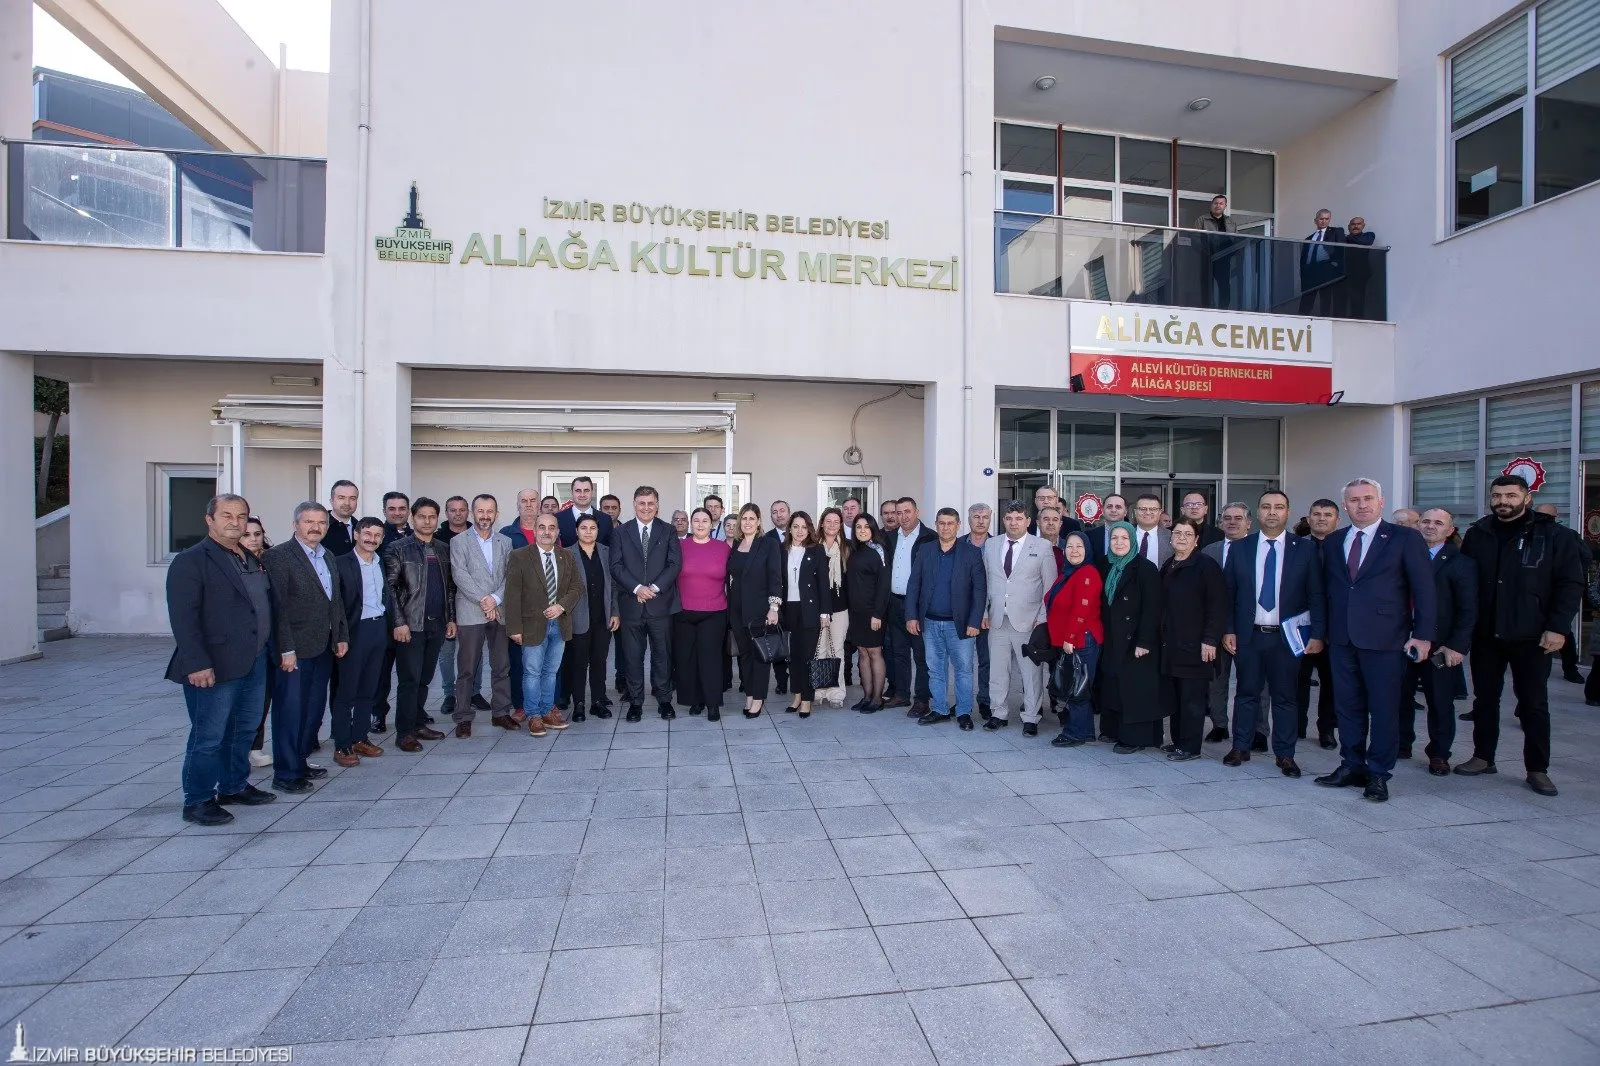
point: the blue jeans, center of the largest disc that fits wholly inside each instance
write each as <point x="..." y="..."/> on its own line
<point x="945" y="647"/>
<point x="541" y="666"/>
<point x="222" y="724"/>
<point x="1080" y="711"/>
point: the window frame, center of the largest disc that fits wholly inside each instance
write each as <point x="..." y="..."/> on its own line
<point x="161" y="477"/>
<point x="550" y="479"/>
<point x="869" y="482"/>
<point x="714" y="483"/>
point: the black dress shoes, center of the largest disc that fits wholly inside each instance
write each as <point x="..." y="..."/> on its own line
<point x="1217" y="735"/>
<point x="1064" y="741"/>
<point x="1344" y="777"/>
<point x="315" y="772"/>
<point x="207" y="813"/>
<point x="664" y="709"/>
<point x="984" y="712"/>
<point x="599" y="710"/>
<point x="635" y="713"/>
<point x="1236" y="757"/>
<point x="714" y="715"/>
<point x="1288" y="767"/>
<point x="478" y="702"/>
<point x="249" y="796"/>
<point x="965" y="722"/>
<point x="1169" y="748"/>
<point x="299" y="784"/>
<point x="1377" y="791"/>
<point x="934" y="718"/>
<point x="447" y="708"/>
<point x="579" y="715"/>
<point x="695" y="711"/>
<point x="1259" y="743"/>
<point x="1030" y="729"/>
<point x="1327" y="742"/>
<point x="996" y="723"/>
<point x="917" y="709"/>
<point x="871" y="706"/>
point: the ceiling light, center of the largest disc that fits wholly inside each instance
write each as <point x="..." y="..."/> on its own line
<point x="1199" y="103"/>
<point x="1044" y="81"/>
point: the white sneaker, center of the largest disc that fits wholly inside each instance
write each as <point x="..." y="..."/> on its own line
<point x="258" y="759"/>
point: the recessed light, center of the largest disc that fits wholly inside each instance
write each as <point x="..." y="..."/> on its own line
<point x="1044" y="81"/>
<point x="1199" y="103"/>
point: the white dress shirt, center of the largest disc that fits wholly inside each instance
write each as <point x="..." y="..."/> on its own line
<point x="1265" y="617"/>
<point x="1366" y="540"/>
<point x="486" y="546"/>
<point x="1152" y="545"/>
<point x="900" y="569"/>
<point x="797" y="556"/>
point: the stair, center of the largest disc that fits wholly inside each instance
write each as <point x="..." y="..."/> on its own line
<point x="55" y="597"/>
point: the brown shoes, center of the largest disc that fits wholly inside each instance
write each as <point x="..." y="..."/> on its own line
<point x="504" y="721"/>
<point x="367" y="748"/>
<point x="1236" y="757"/>
<point x="409" y="742"/>
<point x="347" y="758"/>
<point x="429" y="734"/>
<point x="554" y="719"/>
<point x="1288" y="767"/>
<point x="463" y="729"/>
<point x="1438" y="767"/>
<point x="536" y="725"/>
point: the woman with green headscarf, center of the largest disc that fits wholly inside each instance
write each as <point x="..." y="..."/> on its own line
<point x="1129" y="674"/>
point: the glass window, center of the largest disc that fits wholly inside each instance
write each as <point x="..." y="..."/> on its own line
<point x="1088" y="156"/>
<point x="715" y="483"/>
<point x="1567" y="38"/>
<point x="1147" y="163"/>
<point x="1253" y="446"/>
<point x="1252" y="184"/>
<point x="1248" y="492"/>
<point x="1146" y="210"/>
<point x="1557" y="487"/>
<point x="1146" y="444"/>
<point x="182" y="493"/>
<point x="832" y="491"/>
<point x="1589" y="417"/>
<point x="1086" y="203"/>
<point x="1449" y="485"/>
<point x="1073" y="487"/>
<point x="1489" y="171"/>
<point x="1566" y="134"/>
<point x="1086" y="441"/>
<point x="1529" y="418"/>
<point x="1027" y="149"/>
<point x="1024" y="439"/>
<point x="1202" y="169"/>
<point x="1448" y="428"/>
<point x="1031" y="197"/>
<point x="1197" y="446"/>
<point x="1191" y="210"/>
<point x="1490" y="73"/>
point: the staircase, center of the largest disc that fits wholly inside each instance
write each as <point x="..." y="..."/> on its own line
<point x="55" y="596"/>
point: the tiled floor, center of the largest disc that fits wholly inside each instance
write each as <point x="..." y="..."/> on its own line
<point x="847" y="889"/>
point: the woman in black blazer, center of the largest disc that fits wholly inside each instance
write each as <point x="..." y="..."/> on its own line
<point x="807" y="605"/>
<point x="1129" y="676"/>
<point x="1193" y="616"/>
<point x="755" y="589"/>
<point x="866" y="587"/>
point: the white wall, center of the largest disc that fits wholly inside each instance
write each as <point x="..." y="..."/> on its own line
<point x="1491" y="307"/>
<point x="1327" y="447"/>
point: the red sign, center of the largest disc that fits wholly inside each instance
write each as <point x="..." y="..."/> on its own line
<point x="1205" y="379"/>
<point x="1088" y="507"/>
<point x="1528" y="469"/>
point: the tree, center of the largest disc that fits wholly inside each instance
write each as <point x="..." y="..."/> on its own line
<point x="49" y="398"/>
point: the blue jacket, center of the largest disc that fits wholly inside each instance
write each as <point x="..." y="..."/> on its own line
<point x="1300" y="591"/>
<point x="1392" y="598"/>
<point x="969" y="589"/>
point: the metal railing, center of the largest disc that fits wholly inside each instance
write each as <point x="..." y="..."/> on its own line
<point x="1081" y="259"/>
<point x="151" y="198"/>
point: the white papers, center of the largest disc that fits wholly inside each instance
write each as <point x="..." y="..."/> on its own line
<point x="1297" y="631"/>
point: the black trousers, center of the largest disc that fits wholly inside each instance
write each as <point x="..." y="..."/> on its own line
<point x="802" y="649"/>
<point x="415" y="660"/>
<point x="585" y="664"/>
<point x="697" y="642"/>
<point x="1327" y="717"/>
<point x="754" y="675"/>
<point x="1186" y="699"/>
<point x="656" y="631"/>
<point x="354" y="695"/>
<point x="1438" y="684"/>
<point x="1530" y="677"/>
<point x="1569" y="655"/>
<point x="902" y="651"/>
<point x="1591" y="687"/>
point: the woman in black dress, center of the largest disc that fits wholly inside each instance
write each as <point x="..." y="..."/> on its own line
<point x="866" y="587"/>
<point x="755" y="589"/>
<point x="807" y="605"/>
<point x="1129" y="674"/>
<point x="1193" y="617"/>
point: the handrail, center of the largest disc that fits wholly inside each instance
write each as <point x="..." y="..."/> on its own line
<point x="1148" y="228"/>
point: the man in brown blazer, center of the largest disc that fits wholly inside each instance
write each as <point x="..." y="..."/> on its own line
<point x="542" y="588"/>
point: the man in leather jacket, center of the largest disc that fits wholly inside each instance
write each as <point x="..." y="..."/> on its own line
<point x="421" y="617"/>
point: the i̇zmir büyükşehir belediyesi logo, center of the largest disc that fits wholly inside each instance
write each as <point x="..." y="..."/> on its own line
<point x="412" y="241"/>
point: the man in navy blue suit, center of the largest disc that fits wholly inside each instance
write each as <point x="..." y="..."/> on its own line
<point x="1272" y="577"/>
<point x="1380" y="615"/>
<point x="582" y="504"/>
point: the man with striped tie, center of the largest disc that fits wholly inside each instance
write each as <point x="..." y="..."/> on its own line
<point x="542" y="588"/>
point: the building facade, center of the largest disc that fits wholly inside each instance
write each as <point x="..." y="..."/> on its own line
<point x="941" y="250"/>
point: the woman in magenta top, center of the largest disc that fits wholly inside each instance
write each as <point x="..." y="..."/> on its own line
<point x="701" y="628"/>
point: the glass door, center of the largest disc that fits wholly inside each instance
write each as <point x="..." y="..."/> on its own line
<point x="1206" y="487"/>
<point x="1132" y="490"/>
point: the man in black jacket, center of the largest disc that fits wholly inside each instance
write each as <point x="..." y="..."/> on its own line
<point x="342" y="500"/>
<point x="903" y="648"/>
<point x="1569" y="650"/>
<point x="1530" y="583"/>
<point x="1455" y="579"/>
<point x="421" y="618"/>
<point x="219" y="606"/>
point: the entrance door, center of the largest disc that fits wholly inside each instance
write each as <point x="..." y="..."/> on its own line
<point x="1206" y="487"/>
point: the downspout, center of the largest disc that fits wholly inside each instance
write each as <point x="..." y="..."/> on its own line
<point x="363" y="149"/>
<point x="966" y="260"/>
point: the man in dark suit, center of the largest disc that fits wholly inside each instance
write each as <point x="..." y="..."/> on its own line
<point x="1272" y="580"/>
<point x="1045" y="496"/>
<point x="582" y="504"/>
<point x="219" y="605"/>
<point x="365" y="599"/>
<point x="902" y="647"/>
<point x="1150" y="538"/>
<point x="396" y="525"/>
<point x="396" y="517"/>
<point x="1194" y="507"/>
<point x="946" y="597"/>
<point x="1359" y="262"/>
<point x="310" y="632"/>
<point x="1321" y="266"/>
<point x="342" y="501"/>
<point x="1236" y="524"/>
<point x="1456" y="586"/>
<point x="1323" y="518"/>
<point x="1380" y="614"/>
<point x="646" y="561"/>
<point x="1113" y="509"/>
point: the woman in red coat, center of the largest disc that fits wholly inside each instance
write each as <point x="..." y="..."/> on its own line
<point x="1073" y="617"/>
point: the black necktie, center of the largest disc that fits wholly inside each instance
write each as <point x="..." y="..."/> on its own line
<point x="1144" y="545"/>
<point x="1009" y="545"/>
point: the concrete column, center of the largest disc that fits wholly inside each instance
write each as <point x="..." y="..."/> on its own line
<point x="19" y="590"/>
<point x="941" y="448"/>
<point x="382" y="461"/>
<point x="16" y="78"/>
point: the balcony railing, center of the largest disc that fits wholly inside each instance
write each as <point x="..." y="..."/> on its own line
<point x="1046" y="255"/>
<point x="149" y="198"/>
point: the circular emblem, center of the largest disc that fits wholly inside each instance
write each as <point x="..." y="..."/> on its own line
<point x="1591" y="525"/>
<point x="1528" y="469"/>
<point x="1088" y="507"/>
<point x="1104" y="372"/>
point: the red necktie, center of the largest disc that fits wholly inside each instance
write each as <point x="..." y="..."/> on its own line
<point x="1009" y="545"/>
<point x="1353" y="563"/>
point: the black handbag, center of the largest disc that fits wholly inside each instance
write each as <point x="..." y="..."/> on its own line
<point x="771" y="643"/>
<point x="825" y="673"/>
<point x="1039" y="649"/>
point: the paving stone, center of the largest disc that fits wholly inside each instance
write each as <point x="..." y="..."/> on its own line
<point x="799" y="860"/>
<point x="721" y="911"/>
<point x="162" y="947"/>
<point x="393" y="933"/>
<point x="430" y="881"/>
<point x="123" y="896"/>
<point x="601" y="983"/>
<point x="1511" y="966"/>
<point x="614" y="1041"/>
<point x="832" y="963"/>
<point x="282" y="940"/>
<point x="877" y="1029"/>
<point x="700" y="975"/>
<point x="940" y="954"/>
<point x="478" y="993"/>
<point x="92" y="1013"/>
<point x="610" y="920"/>
<point x="891" y="898"/>
<point x="705" y="867"/>
<point x="503" y="926"/>
<point x="1317" y="915"/>
<point x="758" y="1036"/>
<point x="190" y="1015"/>
<point x="347" y="1003"/>
<point x="985" y="1024"/>
<point x="865" y="855"/>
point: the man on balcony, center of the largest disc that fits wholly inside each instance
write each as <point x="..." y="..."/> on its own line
<point x="1216" y="254"/>
<point x="1321" y="267"/>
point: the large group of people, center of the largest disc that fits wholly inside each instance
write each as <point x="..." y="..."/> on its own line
<point x="1141" y="620"/>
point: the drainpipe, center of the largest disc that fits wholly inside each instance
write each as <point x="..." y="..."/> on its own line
<point x="363" y="150"/>
<point x="966" y="263"/>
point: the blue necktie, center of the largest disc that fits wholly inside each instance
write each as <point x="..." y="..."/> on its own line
<point x="1269" y="579"/>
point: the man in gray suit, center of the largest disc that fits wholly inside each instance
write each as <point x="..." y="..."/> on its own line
<point x="646" y="559"/>
<point x="1150" y="538"/>
<point x="1020" y="569"/>
<point x="1235" y="528"/>
<point x="478" y="567"/>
